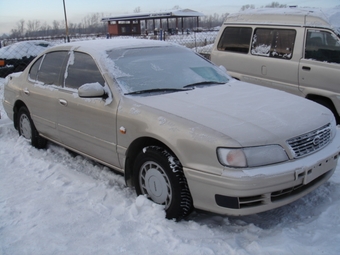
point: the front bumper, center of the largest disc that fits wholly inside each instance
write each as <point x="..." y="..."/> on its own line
<point x="243" y="192"/>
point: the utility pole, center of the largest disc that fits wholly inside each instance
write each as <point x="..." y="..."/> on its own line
<point x="67" y="36"/>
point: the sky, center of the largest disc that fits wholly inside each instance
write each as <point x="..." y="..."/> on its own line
<point x="12" y="11"/>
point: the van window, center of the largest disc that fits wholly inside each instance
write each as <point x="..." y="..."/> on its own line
<point x="275" y="43"/>
<point x="322" y="46"/>
<point x="235" y="39"/>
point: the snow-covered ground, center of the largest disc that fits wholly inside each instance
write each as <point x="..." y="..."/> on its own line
<point x="52" y="202"/>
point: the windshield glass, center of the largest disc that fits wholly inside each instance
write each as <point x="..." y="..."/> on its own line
<point x="155" y="68"/>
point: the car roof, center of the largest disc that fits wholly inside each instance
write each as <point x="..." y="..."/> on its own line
<point x="99" y="48"/>
<point x="102" y="45"/>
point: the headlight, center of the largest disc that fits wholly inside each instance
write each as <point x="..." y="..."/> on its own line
<point x="251" y="156"/>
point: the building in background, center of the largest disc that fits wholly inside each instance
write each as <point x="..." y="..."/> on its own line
<point x="173" y="21"/>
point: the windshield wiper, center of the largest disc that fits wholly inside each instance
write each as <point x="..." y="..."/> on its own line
<point x="203" y="83"/>
<point x="165" y="90"/>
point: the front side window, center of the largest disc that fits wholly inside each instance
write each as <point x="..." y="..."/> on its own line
<point x="322" y="46"/>
<point x="235" y="39"/>
<point x="48" y="69"/>
<point x="275" y="43"/>
<point x="81" y="69"/>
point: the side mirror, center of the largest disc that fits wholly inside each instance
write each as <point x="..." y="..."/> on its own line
<point x="91" y="90"/>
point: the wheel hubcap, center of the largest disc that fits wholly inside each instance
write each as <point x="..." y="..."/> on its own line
<point x="25" y="126"/>
<point x="155" y="183"/>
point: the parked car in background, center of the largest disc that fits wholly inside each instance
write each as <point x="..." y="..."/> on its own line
<point x="292" y="49"/>
<point x="183" y="132"/>
<point x="15" y="57"/>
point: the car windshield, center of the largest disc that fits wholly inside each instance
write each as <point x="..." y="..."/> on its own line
<point x="167" y="69"/>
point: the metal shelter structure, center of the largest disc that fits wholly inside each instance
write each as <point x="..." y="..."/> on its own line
<point x="140" y="22"/>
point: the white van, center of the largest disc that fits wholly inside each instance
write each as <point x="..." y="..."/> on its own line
<point x="292" y="49"/>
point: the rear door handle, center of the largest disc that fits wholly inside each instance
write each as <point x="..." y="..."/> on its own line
<point x="306" y="68"/>
<point x="63" y="102"/>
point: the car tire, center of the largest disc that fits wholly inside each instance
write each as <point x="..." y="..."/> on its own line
<point x="27" y="129"/>
<point x="159" y="175"/>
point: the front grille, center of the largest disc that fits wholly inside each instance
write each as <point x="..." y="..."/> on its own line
<point x="282" y="194"/>
<point x="308" y="143"/>
<point x="268" y="198"/>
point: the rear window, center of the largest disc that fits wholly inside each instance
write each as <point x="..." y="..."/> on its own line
<point x="235" y="39"/>
<point x="275" y="43"/>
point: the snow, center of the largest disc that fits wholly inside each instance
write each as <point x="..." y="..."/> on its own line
<point x="24" y="49"/>
<point x="54" y="202"/>
<point x="313" y="17"/>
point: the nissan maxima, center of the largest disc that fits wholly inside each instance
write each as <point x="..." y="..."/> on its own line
<point x="184" y="133"/>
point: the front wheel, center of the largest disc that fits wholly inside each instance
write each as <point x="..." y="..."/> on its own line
<point x="27" y="129"/>
<point x="159" y="176"/>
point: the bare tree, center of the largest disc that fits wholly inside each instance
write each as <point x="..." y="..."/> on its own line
<point x="137" y="10"/>
<point x="276" y="5"/>
<point x="224" y="16"/>
<point x="44" y="29"/>
<point x="56" y="27"/>
<point x="21" y="27"/>
<point x="247" y="6"/>
<point x="33" y="26"/>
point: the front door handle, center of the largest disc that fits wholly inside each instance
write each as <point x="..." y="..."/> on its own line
<point x="63" y="102"/>
<point x="306" y="68"/>
<point x="26" y="91"/>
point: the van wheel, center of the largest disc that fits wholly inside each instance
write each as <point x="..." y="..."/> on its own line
<point x="27" y="129"/>
<point x="330" y="106"/>
<point x="159" y="176"/>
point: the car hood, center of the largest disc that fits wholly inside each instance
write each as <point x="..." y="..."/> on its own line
<point x="250" y="114"/>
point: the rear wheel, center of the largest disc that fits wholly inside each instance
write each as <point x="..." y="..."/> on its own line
<point x="27" y="129"/>
<point x="160" y="177"/>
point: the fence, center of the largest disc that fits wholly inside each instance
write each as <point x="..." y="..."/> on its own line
<point x="16" y="54"/>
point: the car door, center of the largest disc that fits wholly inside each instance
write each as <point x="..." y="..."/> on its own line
<point x="87" y="125"/>
<point x="42" y="90"/>
<point x="319" y="69"/>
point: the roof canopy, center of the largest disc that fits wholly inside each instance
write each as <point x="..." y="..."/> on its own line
<point x="156" y="15"/>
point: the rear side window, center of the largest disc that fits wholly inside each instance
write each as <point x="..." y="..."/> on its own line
<point x="35" y="69"/>
<point x="235" y="39"/>
<point x="275" y="43"/>
<point x="48" y="69"/>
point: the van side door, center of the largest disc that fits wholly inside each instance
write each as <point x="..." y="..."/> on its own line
<point x="268" y="56"/>
<point x="319" y="69"/>
<point x="275" y="58"/>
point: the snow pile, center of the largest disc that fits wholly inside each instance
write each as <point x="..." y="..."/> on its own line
<point x="53" y="202"/>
